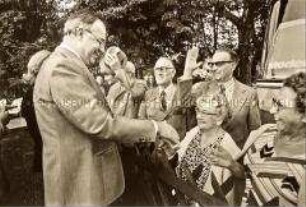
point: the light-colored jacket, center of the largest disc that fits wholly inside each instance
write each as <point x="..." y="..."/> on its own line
<point x="151" y="108"/>
<point x="81" y="163"/>
<point x="221" y="174"/>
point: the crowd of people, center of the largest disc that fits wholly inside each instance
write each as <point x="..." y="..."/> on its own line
<point x="97" y="138"/>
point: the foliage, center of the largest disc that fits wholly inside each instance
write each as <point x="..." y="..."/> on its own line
<point x="145" y="29"/>
<point x="25" y="28"/>
<point x="171" y="27"/>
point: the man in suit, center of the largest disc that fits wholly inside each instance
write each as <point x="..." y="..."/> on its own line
<point x="27" y="106"/>
<point x="162" y="102"/>
<point x="81" y="163"/>
<point x="242" y="99"/>
<point x="124" y="96"/>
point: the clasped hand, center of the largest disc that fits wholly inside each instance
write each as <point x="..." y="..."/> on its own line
<point x="168" y="138"/>
<point x="221" y="157"/>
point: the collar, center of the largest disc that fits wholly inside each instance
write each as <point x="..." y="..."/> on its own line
<point x="167" y="90"/>
<point x="229" y="84"/>
<point x="67" y="47"/>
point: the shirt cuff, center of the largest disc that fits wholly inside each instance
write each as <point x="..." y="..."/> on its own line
<point x="156" y="128"/>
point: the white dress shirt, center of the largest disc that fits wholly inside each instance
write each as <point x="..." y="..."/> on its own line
<point x="229" y="89"/>
<point x="170" y="91"/>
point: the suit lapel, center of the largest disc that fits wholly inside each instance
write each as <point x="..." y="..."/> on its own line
<point x="173" y="101"/>
<point x="239" y="98"/>
<point x="120" y="90"/>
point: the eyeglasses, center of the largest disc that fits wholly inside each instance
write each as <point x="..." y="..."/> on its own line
<point x="277" y="104"/>
<point x="219" y="63"/>
<point x="201" y="112"/>
<point x="99" y="40"/>
<point x="163" y="69"/>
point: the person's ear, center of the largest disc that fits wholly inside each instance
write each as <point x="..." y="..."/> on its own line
<point x="235" y="63"/>
<point x="219" y="120"/>
<point x="173" y="73"/>
<point x="304" y="118"/>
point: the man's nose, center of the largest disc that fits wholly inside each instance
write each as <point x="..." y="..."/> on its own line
<point x="214" y="67"/>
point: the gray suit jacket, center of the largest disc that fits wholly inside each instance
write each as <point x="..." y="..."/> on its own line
<point x="244" y="109"/>
<point x="175" y="115"/>
<point x="81" y="162"/>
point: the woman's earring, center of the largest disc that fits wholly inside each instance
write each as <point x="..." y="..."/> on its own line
<point x="304" y="119"/>
<point x="219" y="123"/>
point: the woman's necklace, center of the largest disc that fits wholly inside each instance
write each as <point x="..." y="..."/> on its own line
<point x="205" y="141"/>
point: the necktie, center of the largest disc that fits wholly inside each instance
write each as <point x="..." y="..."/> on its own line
<point x="222" y="87"/>
<point x="163" y="100"/>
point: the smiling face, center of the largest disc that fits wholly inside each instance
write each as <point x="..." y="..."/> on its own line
<point x="93" y="43"/>
<point x="164" y="76"/>
<point x="210" y="111"/>
<point x="164" y="72"/>
<point x="207" y="120"/>
<point x="287" y="118"/>
<point x="222" y="66"/>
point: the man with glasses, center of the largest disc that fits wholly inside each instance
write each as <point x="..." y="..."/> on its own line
<point x="160" y="103"/>
<point x="81" y="163"/>
<point x="242" y="99"/>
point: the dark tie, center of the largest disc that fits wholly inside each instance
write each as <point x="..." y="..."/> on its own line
<point x="163" y="100"/>
<point x="222" y="87"/>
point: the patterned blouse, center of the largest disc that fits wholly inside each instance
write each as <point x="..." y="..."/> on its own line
<point x="195" y="164"/>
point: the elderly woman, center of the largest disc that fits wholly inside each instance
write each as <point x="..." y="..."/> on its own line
<point x="277" y="158"/>
<point x="27" y="107"/>
<point x="207" y="153"/>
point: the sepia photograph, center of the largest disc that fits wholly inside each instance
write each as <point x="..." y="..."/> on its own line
<point x="152" y="103"/>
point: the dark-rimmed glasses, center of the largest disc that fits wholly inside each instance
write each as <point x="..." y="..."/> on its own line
<point x="201" y="112"/>
<point x="277" y="104"/>
<point x="163" y="69"/>
<point x="219" y="63"/>
<point x="99" y="40"/>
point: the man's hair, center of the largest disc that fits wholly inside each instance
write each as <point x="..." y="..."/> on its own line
<point x="233" y="54"/>
<point x="298" y="83"/>
<point x="82" y="19"/>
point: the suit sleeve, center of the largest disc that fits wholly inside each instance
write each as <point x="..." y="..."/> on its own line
<point x="254" y="121"/>
<point x="79" y="102"/>
<point x="184" y="91"/>
<point x="142" y="113"/>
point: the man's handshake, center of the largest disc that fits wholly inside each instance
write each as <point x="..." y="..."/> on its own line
<point x="167" y="138"/>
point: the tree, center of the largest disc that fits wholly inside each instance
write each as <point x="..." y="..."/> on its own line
<point x="249" y="17"/>
<point x="25" y="28"/>
<point x="148" y="29"/>
<point x="144" y="29"/>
